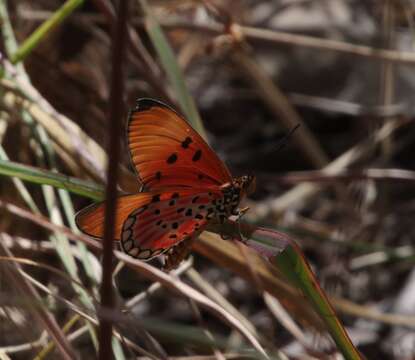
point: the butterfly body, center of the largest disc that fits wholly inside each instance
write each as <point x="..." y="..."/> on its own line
<point x="185" y="186"/>
<point x="232" y="196"/>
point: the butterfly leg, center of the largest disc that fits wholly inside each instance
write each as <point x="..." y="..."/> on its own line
<point x="222" y="235"/>
<point x="240" y="214"/>
<point x="178" y="253"/>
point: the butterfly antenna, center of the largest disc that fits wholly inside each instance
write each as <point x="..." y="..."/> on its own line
<point x="285" y="139"/>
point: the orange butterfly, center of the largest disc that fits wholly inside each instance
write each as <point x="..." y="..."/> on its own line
<point x="184" y="187"/>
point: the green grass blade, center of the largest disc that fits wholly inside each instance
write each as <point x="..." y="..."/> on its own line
<point x="172" y="69"/>
<point x="294" y="266"/>
<point x="45" y="177"/>
<point x="43" y="30"/>
<point x="9" y="39"/>
<point x="282" y="251"/>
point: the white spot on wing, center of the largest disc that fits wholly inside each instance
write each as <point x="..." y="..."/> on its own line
<point x="134" y="252"/>
<point x="128" y="222"/>
<point x="126" y="234"/>
<point x="127" y="245"/>
<point x="144" y="254"/>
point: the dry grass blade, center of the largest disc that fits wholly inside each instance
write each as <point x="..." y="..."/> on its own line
<point x="264" y="36"/>
<point x="272" y="37"/>
<point x="183" y="268"/>
<point x="216" y="296"/>
<point x="24" y="347"/>
<point x="284" y="318"/>
<point x="348" y="175"/>
<point x="24" y="261"/>
<point x="305" y="191"/>
<point x="227" y="255"/>
<point x="147" y="271"/>
<point x="183" y="289"/>
<point x="13" y="272"/>
<point x="66" y="134"/>
<point x="342" y="186"/>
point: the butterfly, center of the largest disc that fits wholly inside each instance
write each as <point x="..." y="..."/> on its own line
<point x="185" y="186"/>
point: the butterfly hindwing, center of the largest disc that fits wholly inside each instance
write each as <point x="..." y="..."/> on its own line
<point x="90" y="220"/>
<point x="167" y="220"/>
<point x="167" y="152"/>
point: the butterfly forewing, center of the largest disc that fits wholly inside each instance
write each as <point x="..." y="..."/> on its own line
<point x="168" y="219"/>
<point x="167" y="152"/>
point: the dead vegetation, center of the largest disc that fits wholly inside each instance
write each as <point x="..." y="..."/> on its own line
<point x="342" y="185"/>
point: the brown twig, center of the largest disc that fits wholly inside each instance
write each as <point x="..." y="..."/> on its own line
<point x="260" y="35"/>
<point x="114" y="132"/>
<point x="345" y="176"/>
<point x="284" y="38"/>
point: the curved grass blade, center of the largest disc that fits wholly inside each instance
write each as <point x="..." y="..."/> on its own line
<point x="282" y="251"/>
<point x="45" y="177"/>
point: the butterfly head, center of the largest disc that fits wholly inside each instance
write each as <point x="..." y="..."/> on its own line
<point x="247" y="184"/>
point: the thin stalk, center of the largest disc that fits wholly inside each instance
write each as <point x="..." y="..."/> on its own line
<point x="114" y="131"/>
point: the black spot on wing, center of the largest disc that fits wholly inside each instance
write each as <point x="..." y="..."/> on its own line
<point x="172" y="159"/>
<point x="155" y="198"/>
<point x="197" y="155"/>
<point x="158" y="175"/>
<point x="186" y="142"/>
